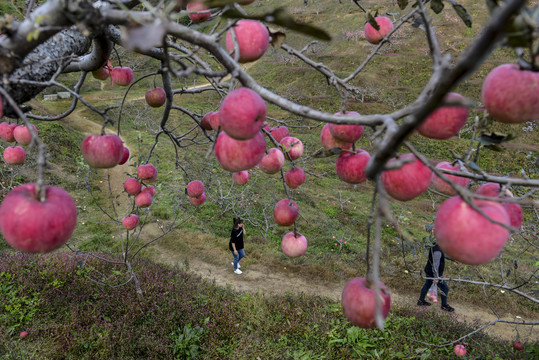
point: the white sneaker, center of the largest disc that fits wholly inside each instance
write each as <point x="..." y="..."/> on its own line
<point x="233" y="264"/>
<point x="238" y="271"/>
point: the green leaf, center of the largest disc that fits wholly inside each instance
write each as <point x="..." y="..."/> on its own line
<point x="474" y="166"/>
<point x="496" y="148"/>
<point x="218" y="3"/>
<point x="402" y="4"/>
<point x="371" y="20"/>
<point x="518" y="33"/>
<point x="281" y="18"/>
<point x="462" y="13"/>
<point x="494" y="138"/>
<point x="437" y="6"/>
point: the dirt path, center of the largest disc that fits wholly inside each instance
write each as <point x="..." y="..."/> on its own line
<point x="259" y="278"/>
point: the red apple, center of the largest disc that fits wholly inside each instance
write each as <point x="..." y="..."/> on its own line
<point x="6" y="131"/>
<point x="156" y="97"/>
<point x="279" y="132"/>
<point x="346" y="133"/>
<point x="517" y="345"/>
<point x="408" y="182"/>
<point x="359" y="302"/>
<point x="198" y="200"/>
<point x="214" y="120"/>
<point x="294" y="245"/>
<point x="459" y="350"/>
<point x="147" y="173"/>
<point x="511" y="95"/>
<point x="102" y="73"/>
<point x="514" y="211"/>
<point x="102" y="151"/>
<point x="293" y="146"/>
<point x="252" y="37"/>
<point x="195" y="188"/>
<point x="351" y="166"/>
<point x="205" y="122"/>
<point x="237" y="155"/>
<point x="132" y="186"/>
<point x="143" y="199"/>
<point x="241" y="177"/>
<point x="23" y="334"/>
<point x="266" y="126"/>
<point x="125" y="156"/>
<point x="375" y="36"/>
<point x="242" y="114"/>
<point x="149" y="189"/>
<point x="32" y="226"/>
<point x="329" y="142"/>
<point x="130" y="221"/>
<point x="14" y="155"/>
<point x="287" y="202"/>
<point x="467" y="236"/>
<point x="445" y="121"/>
<point x="294" y="177"/>
<point x="443" y="186"/>
<point x="272" y="162"/>
<point x="285" y="214"/>
<point x="122" y="76"/>
<point x="198" y="12"/>
<point x="22" y="134"/>
<point x="489" y="189"/>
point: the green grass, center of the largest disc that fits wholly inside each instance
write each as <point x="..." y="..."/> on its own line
<point x="329" y="207"/>
<point x="70" y="316"/>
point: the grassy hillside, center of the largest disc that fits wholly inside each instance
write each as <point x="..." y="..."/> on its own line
<point x="181" y="316"/>
<point x="334" y="214"/>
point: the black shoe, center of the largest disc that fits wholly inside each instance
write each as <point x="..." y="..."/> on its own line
<point x="423" y="303"/>
<point x="447" y="308"/>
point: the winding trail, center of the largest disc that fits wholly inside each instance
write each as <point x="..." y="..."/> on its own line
<point x="258" y="277"/>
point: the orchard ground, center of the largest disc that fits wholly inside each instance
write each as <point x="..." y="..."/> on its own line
<point x="206" y="255"/>
<point x="330" y="208"/>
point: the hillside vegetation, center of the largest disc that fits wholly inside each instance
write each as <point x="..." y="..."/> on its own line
<point x="66" y="313"/>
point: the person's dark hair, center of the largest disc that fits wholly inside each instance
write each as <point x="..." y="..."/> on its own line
<point x="237" y="222"/>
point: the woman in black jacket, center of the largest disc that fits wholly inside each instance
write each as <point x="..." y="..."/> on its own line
<point x="236" y="244"/>
<point x="435" y="269"/>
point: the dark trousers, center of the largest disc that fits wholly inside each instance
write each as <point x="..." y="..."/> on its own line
<point x="444" y="290"/>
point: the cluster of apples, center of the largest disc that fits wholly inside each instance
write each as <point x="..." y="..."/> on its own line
<point x="196" y="192"/>
<point x="241" y="146"/>
<point x="12" y="132"/>
<point x="24" y="213"/>
<point x="462" y="233"/>
<point x="119" y="75"/>
<point x="351" y="163"/>
<point x="104" y="151"/>
<point x="142" y="192"/>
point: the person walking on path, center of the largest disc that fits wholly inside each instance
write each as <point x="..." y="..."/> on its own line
<point x="435" y="269"/>
<point x="236" y="244"/>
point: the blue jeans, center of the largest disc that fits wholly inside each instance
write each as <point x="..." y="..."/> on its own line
<point x="237" y="258"/>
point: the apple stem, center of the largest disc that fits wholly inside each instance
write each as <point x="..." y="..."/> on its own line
<point x="118" y="56"/>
